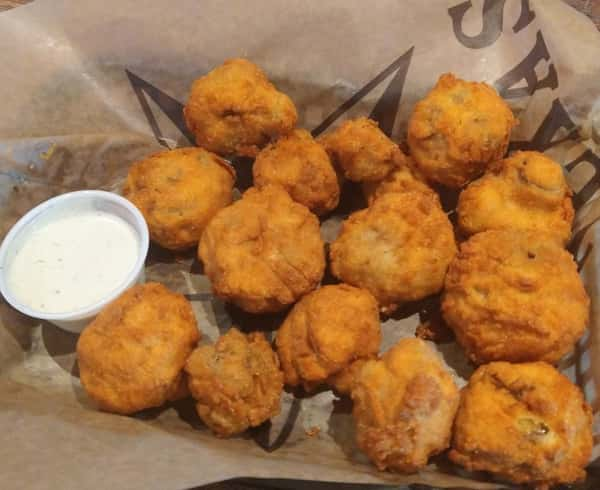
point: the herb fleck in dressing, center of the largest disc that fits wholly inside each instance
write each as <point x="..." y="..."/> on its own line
<point x="73" y="262"/>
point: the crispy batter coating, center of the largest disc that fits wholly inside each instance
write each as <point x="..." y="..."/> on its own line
<point x="131" y="356"/>
<point x="236" y="382"/>
<point x="514" y="295"/>
<point x="403" y="178"/>
<point x="399" y="248"/>
<point x="526" y="191"/>
<point x="178" y="192"/>
<point x="325" y="333"/>
<point x="524" y="422"/>
<point x="361" y="151"/>
<point x="404" y="405"/>
<point x="302" y="167"/>
<point x="458" y="129"/>
<point x="264" y="251"/>
<point x="235" y="110"/>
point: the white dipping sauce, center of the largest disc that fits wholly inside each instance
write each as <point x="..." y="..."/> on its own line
<point x="73" y="261"/>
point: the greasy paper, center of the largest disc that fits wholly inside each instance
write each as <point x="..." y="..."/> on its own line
<point x="88" y="87"/>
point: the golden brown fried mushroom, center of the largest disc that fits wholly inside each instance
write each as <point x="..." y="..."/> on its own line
<point x="264" y="251"/>
<point x="131" y="356"/>
<point x="178" y="192"/>
<point x="404" y="406"/>
<point x="514" y="295"/>
<point x="526" y="191"/>
<point x="235" y="110"/>
<point x="403" y="178"/>
<point x="399" y="248"/>
<point x="236" y="382"/>
<point x="524" y="422"/>
<point x="457" y="130"/>
<point x="361" y="151"/>
<point x="325" y="333"/>
<point x="302" y="167"/>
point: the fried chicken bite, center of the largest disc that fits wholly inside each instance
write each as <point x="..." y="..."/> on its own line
<point x="403" y="178"/>
<point x="458" y="129"/>
<point x="235" y="110"/>
<point x="361" y="151"/>
<point x="325" y="333"/>
<point x="131" y="356"/>
<point x="236" y="382"/>
<point x="404" y="406"/>
<point x="399" y="248"/>
<point x="515" y="295"/>
<point x="526" y="423"/>
<point x="178" y="192"/>
<point x="302" y="167"/>
<point x="264" y="251"/>
<point x="526" y="191"/>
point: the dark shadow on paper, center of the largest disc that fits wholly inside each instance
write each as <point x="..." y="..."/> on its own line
<point x="341" y="426"/>
<point x="60" y="345"/>
<point x="17" y="325"/>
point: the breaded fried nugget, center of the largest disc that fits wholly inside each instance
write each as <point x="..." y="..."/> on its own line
<point x="399" y="248"/>
<point x="403" y="178"/>
<point x="458" y="129"/>
<point x="236" y="382"/>
<point x="327" y="331"/>
<point x="526" y="191"/>
<point x="302" y="167"/>
<point x="404" y="406"/>
<point x="361" y="151"/>
<point x="178" y="192"/>
<point x="514" y="295"/>
<point x="235" y="110"/>
<point x="526" y="423"/>
<point x="264" y="251"/>
<point x="131" y="356"/>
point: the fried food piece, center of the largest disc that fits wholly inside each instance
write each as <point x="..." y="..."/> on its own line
<point x="131" y="356"/>
<point x="399" y="248"/>
<point x="524" y="422"/>
<point x="264" y="251"/>
<point x="236" y="382"/>
<point x="235" y="110"/>
<point x="302" y="167"/>
<point x="514" y="295"/>
<point x="325" y="333"/>
<point x="404" y="406"/>
<point x="526" y="191"/>
<point x="178" y="192"/>
<point x="458" y="129"/>
<point x="403" y="178"/>
<point x="361" y="151"/>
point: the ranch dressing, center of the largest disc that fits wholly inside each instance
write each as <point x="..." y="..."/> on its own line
<point x="73" y="261"/>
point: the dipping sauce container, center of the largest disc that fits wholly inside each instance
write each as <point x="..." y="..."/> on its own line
<point x="72" y="255"/>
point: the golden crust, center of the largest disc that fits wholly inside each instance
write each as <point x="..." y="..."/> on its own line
<point x="302" y="167"/>
<point x="526" y="191"/>
<point x="325" y="333"/>
<point x="236" y="382"/>
<point x="178" y="192"/>
<point x="524" y="422"/>
<point x="398" y="249"/>
<point x="361" y="151"/>
<point x="404" y="406"/>
<point x="235" y="110"/>
<point x="403" y="178"/>
<point x="514" y="295"/>
<point x="264" y="251"/>
<point x="458" y="129"/>
<point x="131" y="356"/>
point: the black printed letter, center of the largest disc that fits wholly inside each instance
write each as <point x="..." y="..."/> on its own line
<point x="526" y="70"/>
